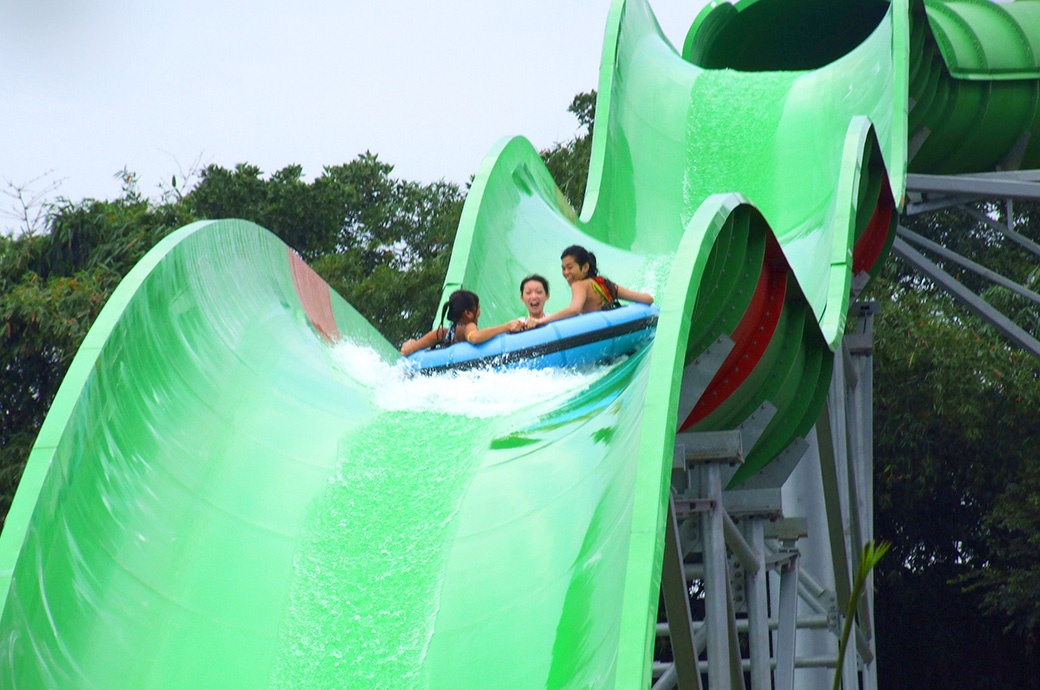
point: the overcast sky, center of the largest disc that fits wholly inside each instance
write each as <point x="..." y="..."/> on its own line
<point x="91" y="87"/>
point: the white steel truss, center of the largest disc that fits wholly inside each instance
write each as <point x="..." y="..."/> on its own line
<point x="756" y="578"/>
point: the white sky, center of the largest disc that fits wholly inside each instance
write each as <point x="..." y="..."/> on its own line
<point x="91" y="87"/>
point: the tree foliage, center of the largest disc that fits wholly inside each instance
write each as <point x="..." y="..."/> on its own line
<point x="955" y="472"/>
<point x="380" y="242"/>
<point x="305" y="216"/>
<point x="52" y="287"/>
<point x="568" y="162"/>
<point x="393" y="247"/>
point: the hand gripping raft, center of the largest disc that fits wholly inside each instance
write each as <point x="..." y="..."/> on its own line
<point x="591" y="338"/>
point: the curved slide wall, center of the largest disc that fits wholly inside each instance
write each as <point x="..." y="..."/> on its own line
<point x="216" y="500"/>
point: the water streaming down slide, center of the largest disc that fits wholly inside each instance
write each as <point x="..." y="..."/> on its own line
<point x="235" y="487"/>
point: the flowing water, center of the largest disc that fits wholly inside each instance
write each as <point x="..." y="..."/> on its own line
<point x="369" y="562"/>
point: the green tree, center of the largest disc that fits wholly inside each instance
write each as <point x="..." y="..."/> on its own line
<point x="52" y="287"/>
<point x="1010" y="580"/>
<point x="394" y="246"/>
<point x="1004" y="578"/>
<point x="305" y="216"/>
<point x="381" y="242"/>
<point x="568" y="162"/>
<point x="955" y="408"/>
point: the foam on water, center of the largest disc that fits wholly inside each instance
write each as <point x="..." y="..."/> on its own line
<point x="368" y="566"/>
<point x="370" y="557"/>
<point x="480" y="393"/>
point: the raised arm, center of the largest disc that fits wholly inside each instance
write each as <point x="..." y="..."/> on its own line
<point x="633" y="296"/>
<point x="482" y="335"/>
<point x="429" y="340"/>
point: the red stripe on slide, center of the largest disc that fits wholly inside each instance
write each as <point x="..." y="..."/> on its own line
<point x="751" y="336"/>
<point x="868" y="247"/>
<point x="314" y="296"/>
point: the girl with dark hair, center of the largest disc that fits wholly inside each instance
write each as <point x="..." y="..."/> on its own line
<point x="534" y="290"/>
<point x="589" y="290"/>
<point x="462" y="311"/>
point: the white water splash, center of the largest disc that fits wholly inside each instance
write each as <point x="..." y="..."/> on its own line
<point x="653" y="275"/>
<point x="480" y="393"/>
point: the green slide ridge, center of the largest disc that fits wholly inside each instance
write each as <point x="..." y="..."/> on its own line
<point x="975" y="85"/>
<point x="235" y="487"/>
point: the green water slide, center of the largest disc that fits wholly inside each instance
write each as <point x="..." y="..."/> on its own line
<point x="227" y="493"/>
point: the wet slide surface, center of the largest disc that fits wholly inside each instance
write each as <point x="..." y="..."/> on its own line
<point x="246" y="504"/>
<point x="237" y="486"/>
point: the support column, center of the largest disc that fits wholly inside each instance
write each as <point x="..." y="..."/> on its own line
<point x="703" y="457"/>
<point x="860" y="346"/>
<point x="677" y="608"/>
<point x="787" y="626"/>
<point x="758" y="608"/>
<point x="715" y="579"/>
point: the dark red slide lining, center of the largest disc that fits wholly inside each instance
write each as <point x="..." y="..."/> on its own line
<point x="751" y="336"/>
<point x="870" y="244"/>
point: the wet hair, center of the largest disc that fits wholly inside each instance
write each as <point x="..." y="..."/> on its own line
<point x="459" y="302"/>
<point x="534" y="276"/>
<point x="583" y="256"/>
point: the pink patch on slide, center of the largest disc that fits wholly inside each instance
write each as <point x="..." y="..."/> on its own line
<point x="314" y="296"/>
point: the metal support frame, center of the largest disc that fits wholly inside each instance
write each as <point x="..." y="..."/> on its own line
<point x="737" y="552"/>
<point x="677" y="608"/>
<point x="956" y="258"/>
<point x="758" y="606"/>
<point x="860" y="404"/>
<point x="1010" y="330"/>
<point x="697" y="375"/>
<point x="760" y="594"/>
<point x="787" y="631"/>
<point x="717" y="596"/>
<point x="845" y="434"/>
<point x="1021" y="184"/>
<point x="930" y="192"/>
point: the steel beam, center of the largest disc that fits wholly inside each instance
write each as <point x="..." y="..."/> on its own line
<point x="1018" y="238"/>
<point x="757" y="584"/>
<point x="677" y="608"/>
<point x="861" y="453"/>
<point x="940" y="203"/>
<point x="736" y="667"/>
<point x="751" y="559"/>
<point x="830" y="430"/>
<point x="1000" y="185"/>
<point x="788" y="628"/>
<point x="716" y="580"/>
<point x="967" y="298"/>
<point x="956" y="258"/>
<point x="668" y="680"/>
<point x="699" y="373"/>
<point x="816" y="622"/>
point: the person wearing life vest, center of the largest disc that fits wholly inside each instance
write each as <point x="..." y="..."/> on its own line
<point x="589" y="290"/>
<point x="462" y="311"/>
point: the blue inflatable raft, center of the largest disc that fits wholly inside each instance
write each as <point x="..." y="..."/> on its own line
<point x="587" y="339"/>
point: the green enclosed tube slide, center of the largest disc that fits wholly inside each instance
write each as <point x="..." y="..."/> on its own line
<point x="237" y="487"/>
